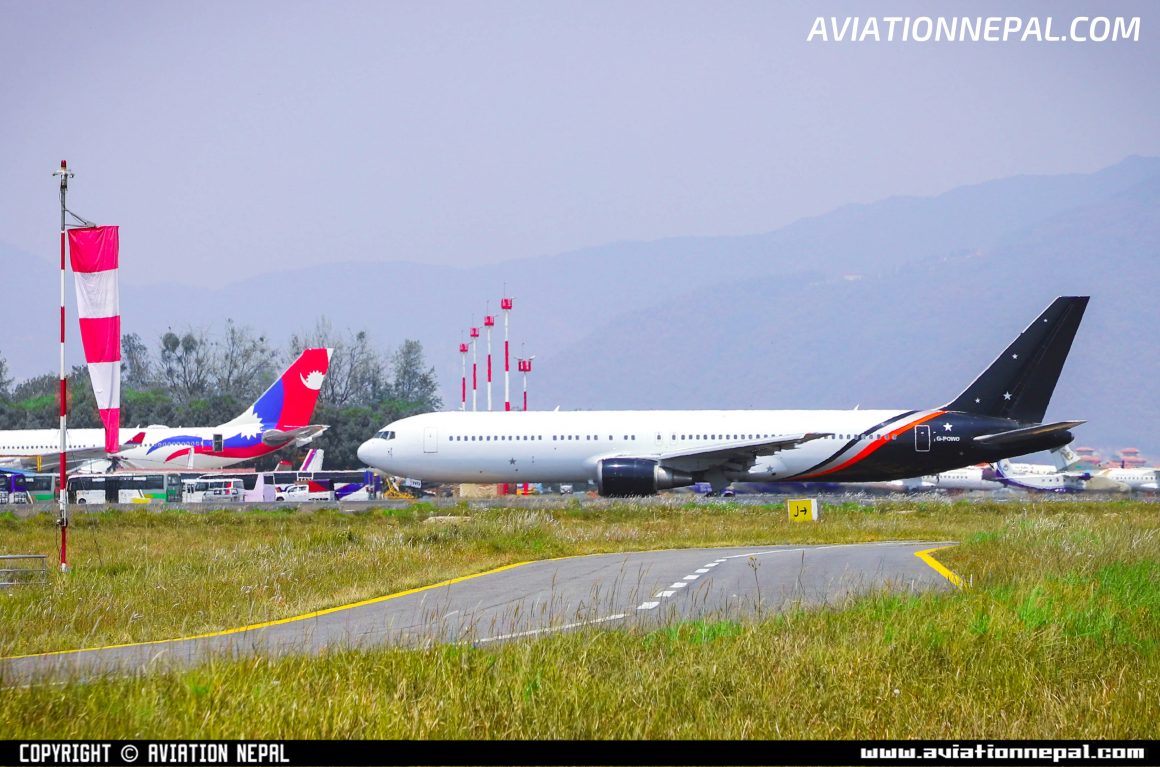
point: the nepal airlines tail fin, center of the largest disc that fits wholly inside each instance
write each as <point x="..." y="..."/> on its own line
<point x="280" y="416"/>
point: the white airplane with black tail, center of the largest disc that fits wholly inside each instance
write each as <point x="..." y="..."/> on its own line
<point x="638" y="452"/>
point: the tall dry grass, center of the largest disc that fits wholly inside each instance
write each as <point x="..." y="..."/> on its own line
<point x="1057" y="638"/>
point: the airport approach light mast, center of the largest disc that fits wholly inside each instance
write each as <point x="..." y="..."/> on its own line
<point x="525" y="367"/>
<point x="474" y="369"/>
<point x="506" y="305"/>
<point x="488" y="324"/>
<point x="463" y="380"/>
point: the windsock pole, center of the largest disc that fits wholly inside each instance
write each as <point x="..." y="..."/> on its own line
<point x="62" y="518"/>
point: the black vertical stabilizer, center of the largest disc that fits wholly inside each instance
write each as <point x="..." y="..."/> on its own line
<point x="1019" y="383"/>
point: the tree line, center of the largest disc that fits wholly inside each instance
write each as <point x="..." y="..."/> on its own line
<point x="193" y="378"/>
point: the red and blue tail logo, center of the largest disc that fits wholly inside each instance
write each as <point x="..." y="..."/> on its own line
<point x="289" y="402"/>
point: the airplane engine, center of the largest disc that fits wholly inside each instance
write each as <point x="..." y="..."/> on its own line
<point x="621" y="477"/>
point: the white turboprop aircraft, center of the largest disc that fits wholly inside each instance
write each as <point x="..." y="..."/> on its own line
<point x="638" y="452"/>
<point x="966" y="478"/>
<point x="1036" y="479"/>
<point x="1126" y="480"/>
<point x="280" y="416"/>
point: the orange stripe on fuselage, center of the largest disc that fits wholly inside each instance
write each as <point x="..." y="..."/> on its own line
<point x="874" y="445"/>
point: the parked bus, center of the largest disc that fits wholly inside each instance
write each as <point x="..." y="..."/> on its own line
<point x="353" y="485"/>
<point x="254" y="485"/>
<point x="211" y="490"/>
<point x="122" y="488"/>
<point x="21" y="487"/>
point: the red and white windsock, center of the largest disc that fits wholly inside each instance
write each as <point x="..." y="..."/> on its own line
<point x="93" y="253"/>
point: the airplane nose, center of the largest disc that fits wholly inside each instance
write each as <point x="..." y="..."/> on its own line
<point x="366" y="452"/>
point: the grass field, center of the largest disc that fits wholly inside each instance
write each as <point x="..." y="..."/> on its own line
<point x="1058" y="637"/>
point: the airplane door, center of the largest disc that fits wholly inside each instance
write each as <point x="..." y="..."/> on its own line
<point x="922" y="438"/>
<point x="430" y="440"/>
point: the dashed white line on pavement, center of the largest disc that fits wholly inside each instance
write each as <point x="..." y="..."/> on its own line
<point x="663" y="594"/>
<point x="702" y="570"/>
<point x="691" y="577"/>
<point x="678" y="585"/>
<point x="550" y="629"/>
<point x="647" y="605"/>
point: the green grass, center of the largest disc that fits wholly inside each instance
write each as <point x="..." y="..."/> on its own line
<point x="1057" y="638"/>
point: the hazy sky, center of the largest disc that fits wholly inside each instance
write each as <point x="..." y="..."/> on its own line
<point x="229" y="139"/>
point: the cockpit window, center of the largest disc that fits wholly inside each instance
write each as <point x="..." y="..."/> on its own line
<point x="384" y="434"/>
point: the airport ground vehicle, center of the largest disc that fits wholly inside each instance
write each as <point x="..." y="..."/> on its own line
<point x="27" y="488"/>
<point x="123" y="488"/>
<point x="353" y="485"/>
<point x="211" y="490"/>
<point x="159" y="487"/>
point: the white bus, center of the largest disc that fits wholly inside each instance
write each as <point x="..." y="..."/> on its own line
<point x="253" y="485"/>
<point x="211" y="490"/>
<point x="121" y="488"/>
<point x="329" y="485"/>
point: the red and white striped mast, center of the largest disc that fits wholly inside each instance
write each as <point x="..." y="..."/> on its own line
<point x="525" y="366"/>
<point x="463" y="380"/>
<point x="474" y="368"/>
<point x="62" y="519"/>
<point x="488" y="324"/>
<point x="506" y="305"/>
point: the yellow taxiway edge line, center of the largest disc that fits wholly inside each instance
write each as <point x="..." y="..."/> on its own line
<point x="939" y="567"/>
<point x="279" y="622"/>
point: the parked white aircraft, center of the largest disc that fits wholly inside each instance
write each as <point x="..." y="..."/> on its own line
<point x="639" y="452"/>
<point x="1010" y="475"/>
<point x="280" y="416"/>
<point x="1126" y="480"/>
<point x="966" y="478"/>
<point x="1062" y="459"/>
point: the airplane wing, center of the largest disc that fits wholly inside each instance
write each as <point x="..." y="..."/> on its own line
<point x="300" y="436"/>
<point x="50" y="461"/>
<point x="1017" y="435"/>
<point x="733" y="456"/>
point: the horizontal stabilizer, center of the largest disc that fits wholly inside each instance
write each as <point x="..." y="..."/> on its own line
<point x="1018" y="435"/>
<point x="301" y="435"/>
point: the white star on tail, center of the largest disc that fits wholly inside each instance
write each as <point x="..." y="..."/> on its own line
<point x="1006" y="395"/>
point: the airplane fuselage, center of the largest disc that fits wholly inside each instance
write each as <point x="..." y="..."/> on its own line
<point x="161" y="448"/>
<point x="857" y="446"/>
<point x="1128" y="480"/>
